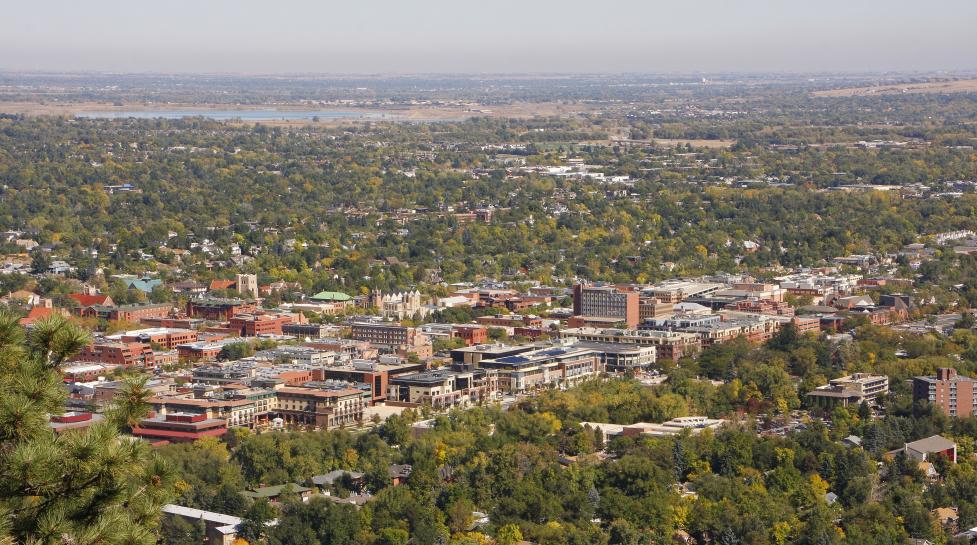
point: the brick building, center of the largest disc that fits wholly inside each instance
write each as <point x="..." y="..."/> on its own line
<point x="179" y="428"/>
<point x="470" y="334"/>
<point x="510" y="320"/>
<point x="166" y="337"/>
<point x="253" y="325"/>
<point x="219" y="309"/>
<point x="118" y="353"/>
<point x="952" y="393"/>
<point x="129" y="313"/>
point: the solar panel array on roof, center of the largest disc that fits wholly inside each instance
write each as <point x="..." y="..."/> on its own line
<point x="513" y="359"/>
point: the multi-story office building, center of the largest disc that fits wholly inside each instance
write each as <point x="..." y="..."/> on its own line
<point x="851" y="390"/>
<point x="258" y="324"/>
<point x="606" y="302"/>
<point x="442" y="388"/>
<point x="560" y="366"/>
<point x="623" y="358"/>
<point x="510" y="320"/>
<point x="381" y="334"/>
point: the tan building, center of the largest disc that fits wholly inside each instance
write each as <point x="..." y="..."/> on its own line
<point x="672" y="345"/>
<point x="650" y="307"/>
<point x="322" y="408"/>
<point x="247" y="285"/>
<point x="851" y="390"/>
<point x="606" y="302"/>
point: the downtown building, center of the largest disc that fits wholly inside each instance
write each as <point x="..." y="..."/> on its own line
<point x="607" y="304"/>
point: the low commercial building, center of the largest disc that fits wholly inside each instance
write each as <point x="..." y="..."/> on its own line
<point x="84" y="372"/>
<point x="671" y="345"/>
<point x="695" y="424"/>
<point x="470" y="334"/>
<point x="221" y="529"/>
<point x="203" y="350"/>
<point x="392" y="338"/>
<point x="178" y="427"/>
<point x="807" y="324"/>
<point x="312" y="331"/>
<point x="383" y="334"/>
<point x="73" y="420"/>
<point x="241" y="411"/>
<point x="298" y="355"/>
<point x="470" y="356"/>
<point x="714" y="329"/>
<point x="650" y="307"/>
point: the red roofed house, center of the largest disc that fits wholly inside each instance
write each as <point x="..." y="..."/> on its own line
<point x="86" y="300"/>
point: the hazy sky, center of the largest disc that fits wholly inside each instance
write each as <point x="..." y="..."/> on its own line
<point x="369" y="36"/>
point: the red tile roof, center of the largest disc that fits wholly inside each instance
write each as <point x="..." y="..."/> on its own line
<point x="36" y="314"/>
<point x="218" y="284"/>
<point x="86" y="300"/>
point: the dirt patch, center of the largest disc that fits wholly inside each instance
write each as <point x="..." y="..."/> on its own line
<point x="936" y="87"/>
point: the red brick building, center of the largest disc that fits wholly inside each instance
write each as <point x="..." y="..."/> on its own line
<point x="510" y="320"/>
<point x="252" y="325"/>
<point x="118" y="353"/>
<point x="90" y="300"/>
<point x="129" y="313"/>
<point x="807" y="324"/>
<point x="471" y="334"/>
<point x="952" y="393"/>
<point x="179" y="428"/>
<point x="168" y="338"/>
<point x="219" y="309"/>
